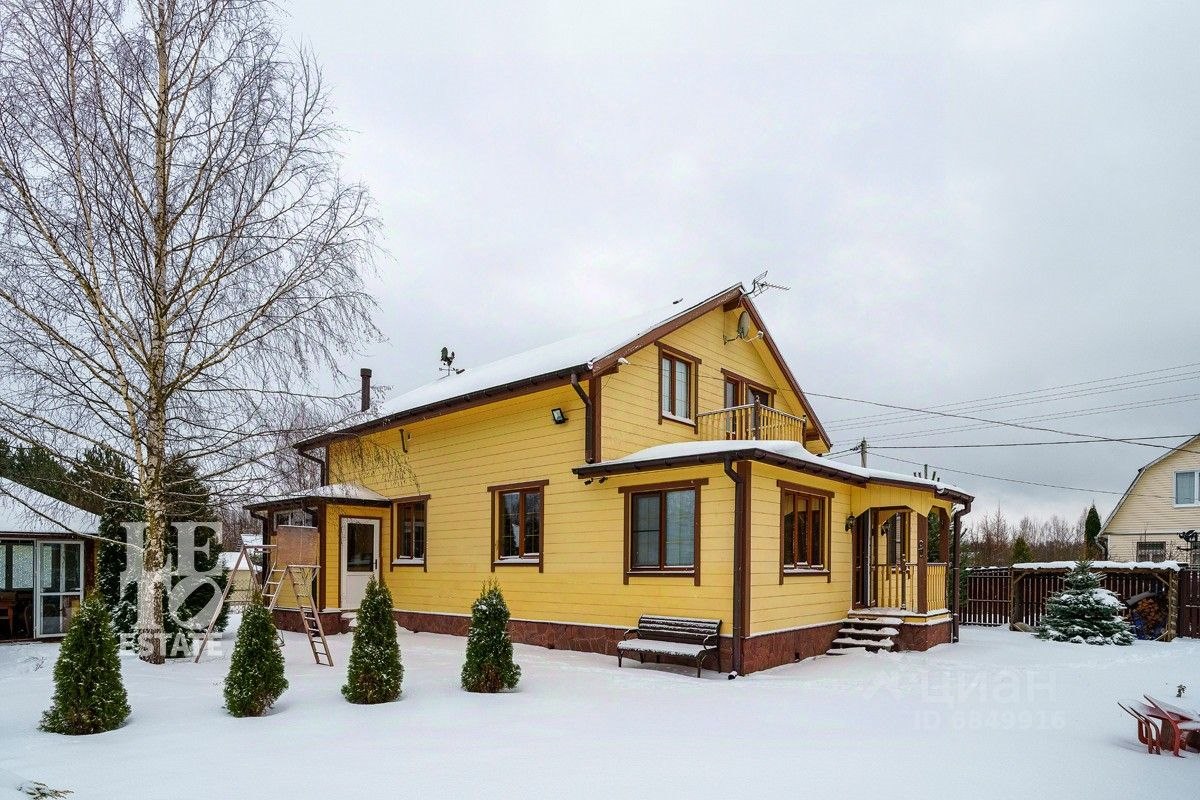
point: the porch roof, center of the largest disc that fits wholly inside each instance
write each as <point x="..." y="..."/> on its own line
<point x="346" y="492"/>
<point x="23" y="510"/>
<point x="791" y="455"/>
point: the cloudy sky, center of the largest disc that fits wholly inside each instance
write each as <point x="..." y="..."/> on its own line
<point x="968" y="200"/>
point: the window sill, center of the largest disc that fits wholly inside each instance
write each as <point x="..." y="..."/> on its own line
<point x="661" y="573"/>
<point x="408" y="562"/>
<point x="516" y="562"/>
<point x="789" y="571"/>
<point x="680" y="420"/>
<point x="1187" y="505"/>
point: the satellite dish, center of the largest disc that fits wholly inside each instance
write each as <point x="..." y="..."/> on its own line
<point x="743" y="328"/>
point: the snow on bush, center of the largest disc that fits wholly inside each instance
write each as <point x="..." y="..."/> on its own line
<point x="1084" y="613"/>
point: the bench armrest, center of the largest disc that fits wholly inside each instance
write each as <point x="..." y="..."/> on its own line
<point x="712" y="640"/>
<point x="627" y="634"/>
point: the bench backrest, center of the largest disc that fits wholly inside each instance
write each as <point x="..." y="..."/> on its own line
<point x="677" y="629"/>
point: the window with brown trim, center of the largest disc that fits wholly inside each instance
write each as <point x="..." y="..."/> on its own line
<point x="676" y="387"/>
<point x="663" y="530"/>
<point x="803" y="523"/>
<point x="410" y="531"/>
<point x="519" y="519"/>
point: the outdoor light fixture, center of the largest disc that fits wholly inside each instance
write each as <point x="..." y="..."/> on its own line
<point x="850" y="520"/>
<point x="558" y="416"/>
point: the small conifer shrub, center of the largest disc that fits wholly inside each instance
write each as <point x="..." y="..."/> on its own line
<point x="89" y="696"/>
<point x="1084" y="613"/>
<point x="255" y="680"/>
<point x="374" y="674"/>
<point x="489" y="664"/>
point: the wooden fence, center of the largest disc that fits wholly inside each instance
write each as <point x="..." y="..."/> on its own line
<point x="988" y="595"/>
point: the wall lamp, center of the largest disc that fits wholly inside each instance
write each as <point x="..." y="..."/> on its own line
<point x="558" y="416"/>
<point x="850" y="520"/>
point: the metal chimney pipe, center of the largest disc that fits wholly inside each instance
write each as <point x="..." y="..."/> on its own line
<point x="365" y="399"/>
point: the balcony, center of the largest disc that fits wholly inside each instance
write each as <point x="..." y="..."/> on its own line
<point x="751" y="421"/>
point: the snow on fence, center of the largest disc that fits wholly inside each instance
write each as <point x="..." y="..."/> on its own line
<point x="996" y="596"/>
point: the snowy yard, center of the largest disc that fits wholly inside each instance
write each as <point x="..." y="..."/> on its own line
<point x="994" y="716"/>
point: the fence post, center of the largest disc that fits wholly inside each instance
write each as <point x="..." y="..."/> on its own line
<point x="1172" y="607"/>
<point x="1013" y="589"/>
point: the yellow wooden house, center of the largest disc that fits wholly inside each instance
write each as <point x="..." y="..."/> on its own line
<point x="668" y="464"/>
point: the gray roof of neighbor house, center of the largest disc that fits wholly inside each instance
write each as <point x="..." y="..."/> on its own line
<point x="23" y="510"/>
<point x="582" y="354"/>
<point x="348" y="492"/>
<point x="1141" y="471"/>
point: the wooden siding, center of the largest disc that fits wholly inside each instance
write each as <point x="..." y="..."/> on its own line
<point x="630" y="411"/>
<point x="1148" y="512"/>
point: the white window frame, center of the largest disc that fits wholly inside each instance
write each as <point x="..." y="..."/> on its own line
<point x="39" y="593"/>
<point x="304" y="513"/>
<point x="1195" y="488"/>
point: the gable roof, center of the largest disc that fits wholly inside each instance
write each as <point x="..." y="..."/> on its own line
<point x="583" y="355"/>
<point x="23" y="510"/>
<point x="1142" y="471"/>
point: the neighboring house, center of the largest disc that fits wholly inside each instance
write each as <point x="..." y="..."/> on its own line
<point x="46" y="566"/>
<point x="1162" y="502"/>
<point x="668" y="464"/>
<point x="241" y="577"/>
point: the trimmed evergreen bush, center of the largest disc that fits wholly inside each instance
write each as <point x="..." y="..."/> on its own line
<point x="375" y="673"/>
<point x="489" y="664"/>
<point x="1084" y="613"/>
<point x="89" y="696"/>
<point x="255" y="680"/>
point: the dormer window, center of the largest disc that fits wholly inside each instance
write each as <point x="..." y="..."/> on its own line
<point x="1187" y="492"/>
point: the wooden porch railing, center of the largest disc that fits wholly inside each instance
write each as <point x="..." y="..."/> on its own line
<point x="935" y="585"/>
<point x="751" y="421"/>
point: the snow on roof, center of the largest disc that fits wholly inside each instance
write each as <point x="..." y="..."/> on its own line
<point x="578" y="351"/>
<point x="22" y="510"/>
<point x="229" y="558"/>
<point x="1173" y="566"/>
<point x="785" y="449"/>
<point x="334" y="491"/>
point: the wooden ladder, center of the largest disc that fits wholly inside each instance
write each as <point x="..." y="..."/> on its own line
<point x="303" y="576"/>
<point x="243" y="557"/>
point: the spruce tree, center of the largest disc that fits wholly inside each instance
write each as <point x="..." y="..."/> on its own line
<point x="255" y="680"/>
<point x="1022" y="552"/>
<point x="489" y="664"/>
<point x="1084" y="613"/>
<point x="89" y="696"/>
<point x="375" y="673"/>
<point x="1091" y="533"/>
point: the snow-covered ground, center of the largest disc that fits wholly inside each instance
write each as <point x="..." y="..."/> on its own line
<point x="1000" y="715"/>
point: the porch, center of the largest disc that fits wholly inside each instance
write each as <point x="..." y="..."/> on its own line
<point x="42" y="582"/>
<point x="751" y="421"/>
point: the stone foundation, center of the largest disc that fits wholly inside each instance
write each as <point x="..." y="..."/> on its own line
<point x="922" y="637"/>
<point x="768" y="650"/>
<point x="288" y="619"/>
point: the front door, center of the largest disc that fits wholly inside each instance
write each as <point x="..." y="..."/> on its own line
<point x="861" y="559"/>
<point x="60" y="586"/>
<point x="359" y="558"/>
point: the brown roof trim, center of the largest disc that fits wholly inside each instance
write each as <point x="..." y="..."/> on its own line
<point x="306" y="502"/>
<point x="732" y="294"/>
<point x="792" y="383"/>
<point x="460" y="403"/>
<point x="764" y="456"/>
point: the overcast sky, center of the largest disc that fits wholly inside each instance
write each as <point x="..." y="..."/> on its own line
<point x="967" y="200"/>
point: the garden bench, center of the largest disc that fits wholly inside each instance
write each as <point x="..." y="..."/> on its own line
<point x="679" y="637"/>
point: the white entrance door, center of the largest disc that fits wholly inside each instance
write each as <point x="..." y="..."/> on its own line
<point x="360" y="558"/>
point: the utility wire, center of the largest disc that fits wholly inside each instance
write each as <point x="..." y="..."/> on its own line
<point x="1003" y="423"/>
<point x="1014" y="444"/>
<point x="960" y="405"/>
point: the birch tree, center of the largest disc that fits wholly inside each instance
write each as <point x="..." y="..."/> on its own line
<point x="179" y="253"/>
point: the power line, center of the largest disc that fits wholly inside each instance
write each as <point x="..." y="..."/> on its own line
<point x="1013" y="480"/>
<point x="1129" y="439"/>
<point x="963" y="404"/>
<point x="1003" y="423"/>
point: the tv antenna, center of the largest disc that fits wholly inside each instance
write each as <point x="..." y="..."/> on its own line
<point x="448" y="367"/>
<point x="760" y="284"/>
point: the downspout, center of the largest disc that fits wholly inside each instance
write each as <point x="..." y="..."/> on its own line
<point x="739" y="565"/>
<point x="320" y="462"/>
<point x="954" y="611"/>
<point x="589" y="427"/>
